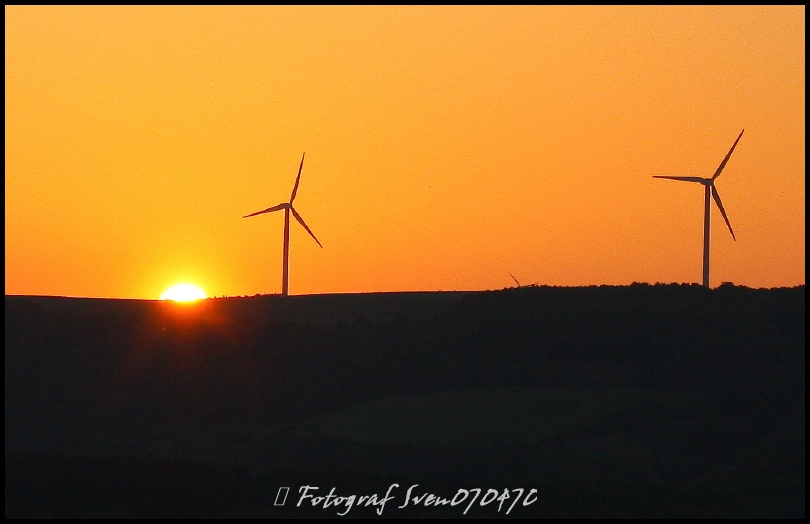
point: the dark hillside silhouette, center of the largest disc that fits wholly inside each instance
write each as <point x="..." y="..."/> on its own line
<point x="618" y="401"/>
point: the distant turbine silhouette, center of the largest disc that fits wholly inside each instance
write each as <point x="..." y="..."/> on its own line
<point x="287" y="207"/>
<point x="708" y="183"/>
<point x="518" y="283"/>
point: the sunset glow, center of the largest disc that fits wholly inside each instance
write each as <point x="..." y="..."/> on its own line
<point x="446" y="146"/>
<point x="183" y="293"/>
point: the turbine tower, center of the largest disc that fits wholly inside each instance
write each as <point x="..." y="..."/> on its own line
<point x="288" y="207"/>
<point x="708" y="184"/>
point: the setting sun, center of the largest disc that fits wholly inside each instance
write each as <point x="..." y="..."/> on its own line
<point x="183" y="293"/>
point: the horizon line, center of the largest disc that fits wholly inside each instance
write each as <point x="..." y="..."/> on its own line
<point x="724" y="284"/>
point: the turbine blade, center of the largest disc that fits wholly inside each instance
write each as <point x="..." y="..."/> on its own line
<point x="297" y="179"/>
<point x="268" y="210"/>
<point x="684" y="178"/>
<point x="301" y="221"/>
<point x="513" y="278"/>
<point x="725" y="160"/>
<point x="716" y="196"/>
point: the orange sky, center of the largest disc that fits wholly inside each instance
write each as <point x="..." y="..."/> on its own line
<point x="446" y="146"/>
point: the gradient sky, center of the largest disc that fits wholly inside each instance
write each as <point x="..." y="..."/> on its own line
<point x="446" y="146"/>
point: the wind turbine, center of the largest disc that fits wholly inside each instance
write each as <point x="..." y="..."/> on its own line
<point x="288" y="207"/>
<point x="708" y="184"/>
<point x="518" y="283"/>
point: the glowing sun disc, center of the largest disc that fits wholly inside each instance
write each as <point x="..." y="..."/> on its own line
<point x="183" y="293"/>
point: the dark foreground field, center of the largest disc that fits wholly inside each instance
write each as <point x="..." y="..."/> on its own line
<point x="635" y="401"/>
